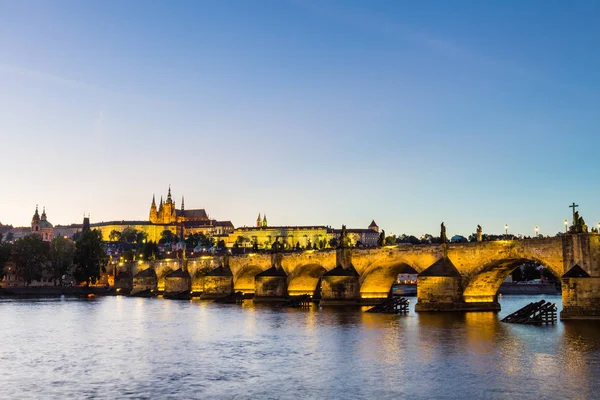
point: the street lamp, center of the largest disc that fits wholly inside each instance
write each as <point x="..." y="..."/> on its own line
<point x="536" y="231"/>
<point x="506" y="229"/>
<point x="566" y="225"/>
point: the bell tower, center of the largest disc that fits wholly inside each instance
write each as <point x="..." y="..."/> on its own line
<point x="35" y="221"/>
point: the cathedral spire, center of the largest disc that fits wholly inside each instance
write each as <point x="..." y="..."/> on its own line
<point x="182" y="204"/>
<point x="153" y="201"/>
<point x="169" y="195"/>
<point x="258" y="221"/>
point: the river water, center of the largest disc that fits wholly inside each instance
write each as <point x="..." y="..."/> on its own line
<point x="117" y="347"/>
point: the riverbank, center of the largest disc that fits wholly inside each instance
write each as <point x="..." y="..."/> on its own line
<point x="56" y="291"/>
<point x="516" y="288"/>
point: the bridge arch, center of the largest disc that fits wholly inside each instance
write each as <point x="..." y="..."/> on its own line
<point x="243" y="280"/>
<point x="377" y="280"/>
<point x="304" y="279"/>
<point x="483" y="284"/>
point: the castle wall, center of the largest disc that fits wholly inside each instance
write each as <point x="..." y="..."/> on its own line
<point x="288" y="235"/>
<point x="153" y="231"/>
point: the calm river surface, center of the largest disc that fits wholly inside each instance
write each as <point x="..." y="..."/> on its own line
<point x="117" y="347"/>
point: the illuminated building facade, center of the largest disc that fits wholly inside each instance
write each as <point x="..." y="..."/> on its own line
<point x="291" y="236"/>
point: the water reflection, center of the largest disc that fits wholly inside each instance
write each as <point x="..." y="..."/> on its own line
<point x="154" y="348"/>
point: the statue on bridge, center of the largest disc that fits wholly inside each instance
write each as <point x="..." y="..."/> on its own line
<point x="579" y="225"/>
<point x="479" y="233"/>
<point x="381" y="239"/>
<point x="344" y="238"/>
<point x="276" y="247"/>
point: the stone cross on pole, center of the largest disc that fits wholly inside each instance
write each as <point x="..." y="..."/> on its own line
<point x="574" y="206"/>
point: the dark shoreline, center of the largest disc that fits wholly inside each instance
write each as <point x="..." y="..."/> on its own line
<point x="55" y="291"/>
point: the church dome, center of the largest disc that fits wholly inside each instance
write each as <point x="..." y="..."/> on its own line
<point x="45" y="224"/>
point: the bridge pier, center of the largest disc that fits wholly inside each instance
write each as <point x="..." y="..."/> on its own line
<point x="439" y="288"/>
<point x="580" y="294"/>
<point x="123" y="283"/>
<point x="145" y="280"/>
<point x="270" y="286"/>
<point x="177" y="282"/>
<point x="581" y="282"/>
<point x="217" y="283"/>
<point x="341" y="285"/>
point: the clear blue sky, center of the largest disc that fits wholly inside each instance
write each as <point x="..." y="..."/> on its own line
<point x="315" y="112"/>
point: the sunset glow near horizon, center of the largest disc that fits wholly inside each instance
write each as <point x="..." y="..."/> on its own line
<point x="315" y="113"/>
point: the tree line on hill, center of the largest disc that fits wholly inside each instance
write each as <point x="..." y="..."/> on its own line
<point x="34" y="259"/>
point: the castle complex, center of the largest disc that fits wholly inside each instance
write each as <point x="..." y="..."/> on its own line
<point x="167" y="213"/>
<point x="166" y="216"/>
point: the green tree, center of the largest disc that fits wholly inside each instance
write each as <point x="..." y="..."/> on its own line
<point x="62" y="252"/>
<point x="206" y="241"/>
<point x="5" y="251"/>
<point x="150" y="251"/>
<point x="221" y="245"/>
<point x="517" y="275"/>
<point x="141" y="237"/>
<point x="128" y="255"/>
<point x="192" y="240"/>
<point x="114" y="236"/>
<point x="129" y="235"/>
<point x="167" y="236"/>
<point x="530" y="271"/>
<point x="31" y="257"/>
<point x="333" y="243"/>
<point x="90" y="257"/>
<point x="381" y="239"/>
<point x="390" y="240"/>
<point x="241" y="240"/>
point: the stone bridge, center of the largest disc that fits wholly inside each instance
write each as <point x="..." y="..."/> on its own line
<point x="459" y="277"/>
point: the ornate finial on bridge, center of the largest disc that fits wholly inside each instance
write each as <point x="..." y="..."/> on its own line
<point x="479" y="233"/>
